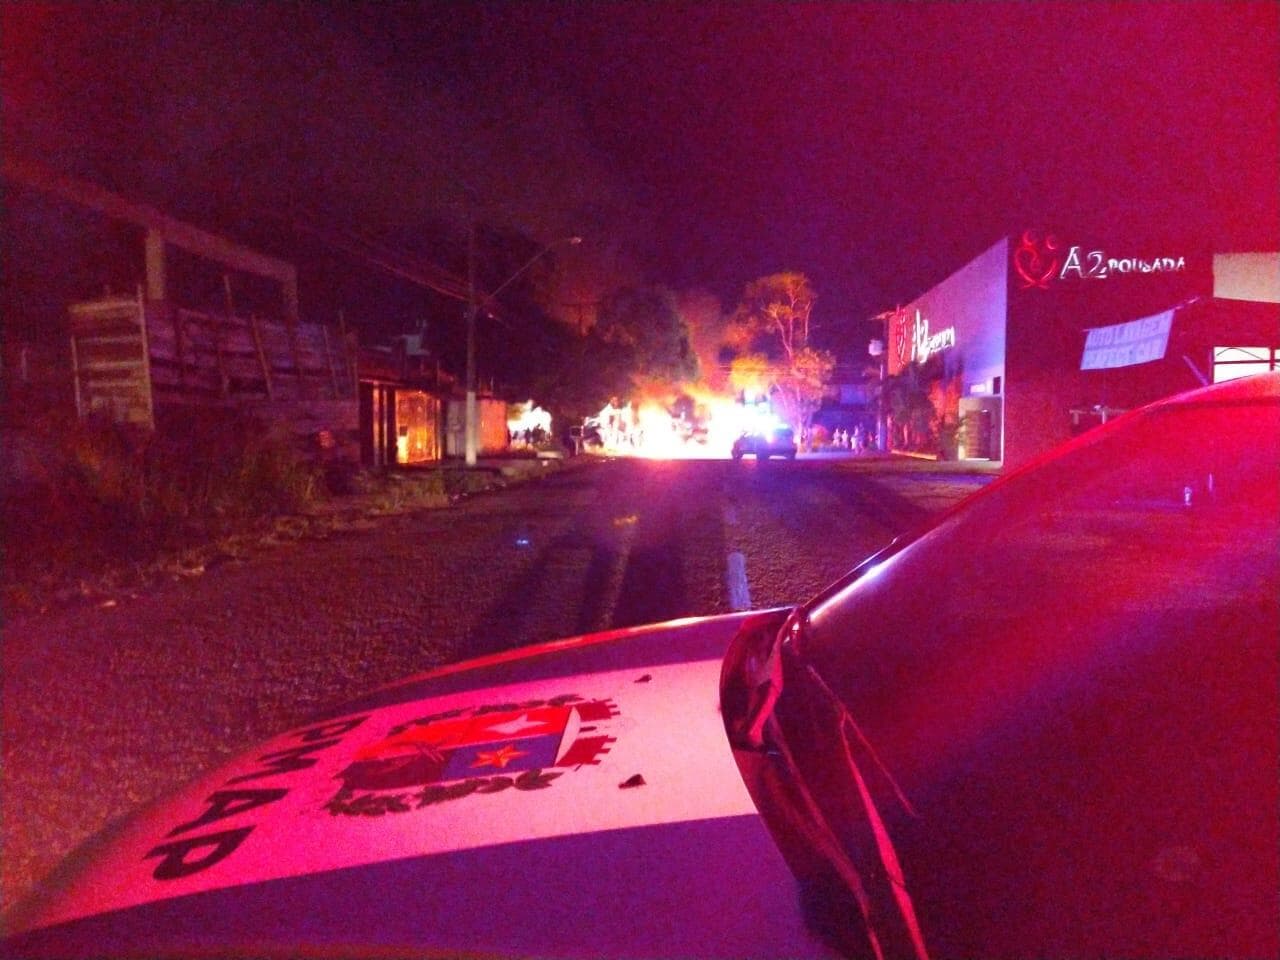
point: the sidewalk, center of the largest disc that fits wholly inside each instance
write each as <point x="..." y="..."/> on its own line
<point x="511" y="466"/>
<point x="902" y="462"/>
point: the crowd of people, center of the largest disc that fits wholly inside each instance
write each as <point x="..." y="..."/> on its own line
<point x="856" y="440"/>
<point x="526" y="438"/>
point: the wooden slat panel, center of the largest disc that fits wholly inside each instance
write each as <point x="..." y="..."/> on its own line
<point x="112" y="375"/>
<point x="96" y="352"/>
<point x="186" y="356"/>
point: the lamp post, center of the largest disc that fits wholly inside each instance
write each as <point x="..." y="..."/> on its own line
<point x="469" y="428"/>
<point x="876" y="349"/>
<point x="879" y="350"/>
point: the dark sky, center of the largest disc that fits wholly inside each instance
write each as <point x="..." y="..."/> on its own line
<point x="875" y="147"/>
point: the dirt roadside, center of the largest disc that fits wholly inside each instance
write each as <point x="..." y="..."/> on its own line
<point x="206" y="545"/>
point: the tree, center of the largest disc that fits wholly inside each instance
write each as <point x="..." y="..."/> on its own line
<point x="775" y="311"/>
<point x="911" y="415"/>
<point x="648" y="335"/>
<point x="622" y="356"/>
<point x="770" y="334"/>
<point x="801" y="387"/>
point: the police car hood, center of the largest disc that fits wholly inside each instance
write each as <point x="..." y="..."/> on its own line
<point x="574" y="799"/>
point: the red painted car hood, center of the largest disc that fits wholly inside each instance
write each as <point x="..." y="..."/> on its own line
<point x="574" y="799"/>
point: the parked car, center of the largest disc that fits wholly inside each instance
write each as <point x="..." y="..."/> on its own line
<point x="1044" y="724"/>
<point x="763" y="444"/>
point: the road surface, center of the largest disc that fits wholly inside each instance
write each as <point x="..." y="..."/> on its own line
<point x="111" y="705"/>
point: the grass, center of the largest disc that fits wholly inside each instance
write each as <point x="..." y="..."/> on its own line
<point x="102" y="508"/>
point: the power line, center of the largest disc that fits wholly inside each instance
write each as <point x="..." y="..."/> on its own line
<point x="421" y="273"/>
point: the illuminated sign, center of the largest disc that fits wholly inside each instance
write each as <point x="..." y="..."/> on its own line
<point x="1127" y="344"/>
<point x="1038" y="260"/>
<point x="1095" y="265"/>
<point x="914" y="342"/>
<point x="1035" y="260"/>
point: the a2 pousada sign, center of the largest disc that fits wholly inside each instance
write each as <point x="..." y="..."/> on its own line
<point x="1127" y="344"/>
<point x="1040" y="259"/>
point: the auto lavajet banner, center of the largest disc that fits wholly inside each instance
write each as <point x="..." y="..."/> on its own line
<point x="1127" y="344"/>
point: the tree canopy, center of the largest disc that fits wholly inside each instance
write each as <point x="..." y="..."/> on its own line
<point x="639" y="345"/>
<point x="769" y="335"/>
<point x="773" y="316"/>
<point x="647" y="332"/>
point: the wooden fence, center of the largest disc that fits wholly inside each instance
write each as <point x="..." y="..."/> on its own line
<point x="130" y="357"/>
<point x="228" y="357"/>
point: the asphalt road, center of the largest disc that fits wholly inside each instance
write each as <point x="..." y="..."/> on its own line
<point x="109" y="706"/>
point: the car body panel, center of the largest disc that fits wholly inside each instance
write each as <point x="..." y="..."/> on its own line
<point x="708" y="888"/>
<point x="1046" y="725"/>
<point x="594" y="771"/>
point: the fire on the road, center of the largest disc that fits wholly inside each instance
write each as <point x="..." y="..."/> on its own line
<point x="648" y="429"/>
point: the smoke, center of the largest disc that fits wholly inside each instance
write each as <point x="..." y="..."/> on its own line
<point x="229" y="114"/>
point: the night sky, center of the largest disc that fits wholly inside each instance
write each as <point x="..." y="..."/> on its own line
<point x="875" y="147"/>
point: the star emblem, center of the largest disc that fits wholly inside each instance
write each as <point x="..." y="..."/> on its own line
<point x="497" y="758"/>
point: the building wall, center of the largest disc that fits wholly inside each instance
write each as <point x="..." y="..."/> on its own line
<point x="491" y="430"/>
<point x="1057" y="293"/>
<point x="967" y="311"/>
<point x="974" y="302"/>
<point x="377" y="434"/>
<point x="1019" y="314"/>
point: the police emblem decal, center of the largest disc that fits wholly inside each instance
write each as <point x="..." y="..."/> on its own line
<point x="479" y="750"/>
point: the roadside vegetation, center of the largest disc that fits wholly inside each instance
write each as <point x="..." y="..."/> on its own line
<point x="91" y="509"/>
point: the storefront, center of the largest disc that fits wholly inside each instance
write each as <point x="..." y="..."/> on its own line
<point x="1047" y="334"/>
<point x="402" y="415"/>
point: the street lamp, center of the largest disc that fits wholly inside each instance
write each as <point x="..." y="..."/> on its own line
<point x="472" y="306"/>
<point x="879" y="350"/>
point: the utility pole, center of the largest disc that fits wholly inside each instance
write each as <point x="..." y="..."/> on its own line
<point x="472" y="308"/>
<point x="469" y="428"/>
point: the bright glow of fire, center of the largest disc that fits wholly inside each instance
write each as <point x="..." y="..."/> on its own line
<point x="648" y="429"/>
<point x="529" y="417"/>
